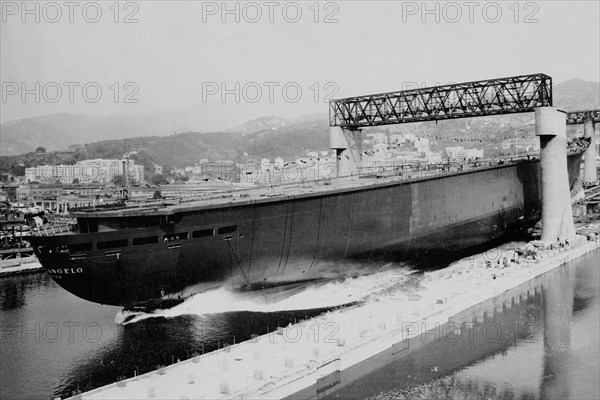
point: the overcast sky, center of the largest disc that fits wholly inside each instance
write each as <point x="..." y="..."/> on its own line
<point x="179" y="55"/>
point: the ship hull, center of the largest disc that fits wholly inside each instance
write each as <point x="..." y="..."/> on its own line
<point x="328" y="235"/>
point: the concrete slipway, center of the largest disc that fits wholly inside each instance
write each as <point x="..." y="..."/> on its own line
<point x="306" y="359"/>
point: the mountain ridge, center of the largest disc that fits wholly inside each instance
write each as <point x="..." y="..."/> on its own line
<point x="266" y="136"/>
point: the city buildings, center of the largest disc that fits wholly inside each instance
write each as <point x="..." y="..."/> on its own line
<point x="87" y="171"/>
<point x="303" y="169"/>
<point x="460" y="153"/>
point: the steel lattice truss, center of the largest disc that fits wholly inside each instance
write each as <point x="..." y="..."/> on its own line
<point x="516" y="94"/>
<point x="579" y="117"/>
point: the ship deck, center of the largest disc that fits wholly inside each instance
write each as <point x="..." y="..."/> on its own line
<point x="272" y="193"/>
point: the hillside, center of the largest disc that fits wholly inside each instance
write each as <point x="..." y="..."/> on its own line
<point x="576" y="94"/>
<point x="178" y="150"/>
<point x="274" y="123"/>
<point x="57" y="131"/>
<point x="268" y="136"/>
<point x="289" y="140"/>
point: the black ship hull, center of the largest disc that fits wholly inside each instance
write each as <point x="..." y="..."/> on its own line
<point x="292" y="239"/>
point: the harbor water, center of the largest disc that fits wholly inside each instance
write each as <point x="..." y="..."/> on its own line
<point x="55" y="344"/>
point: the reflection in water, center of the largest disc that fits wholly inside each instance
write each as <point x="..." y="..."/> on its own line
<point x="45" y="331"/>
<point x="439" y="352"/>
<point x="540" y="341"/>
<point x="13" y="289"/>
<point x="558" y="311"/>
<point x="548" y="349"/>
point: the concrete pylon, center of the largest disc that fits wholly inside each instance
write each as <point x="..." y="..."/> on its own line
<point x="347" y="144"/>
<point x="557" y="215"/>
<point x="590" y="174"/>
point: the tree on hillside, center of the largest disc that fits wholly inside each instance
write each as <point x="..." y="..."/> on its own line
<point x="158" y="179"/>
<point x="40" y="149"/>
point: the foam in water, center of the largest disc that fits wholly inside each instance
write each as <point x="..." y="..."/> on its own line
<point x="305" y="297"/>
